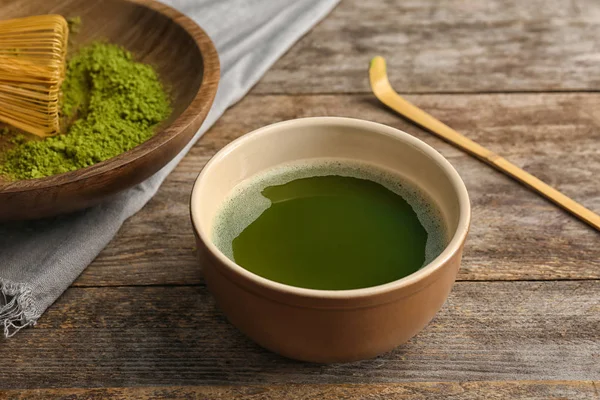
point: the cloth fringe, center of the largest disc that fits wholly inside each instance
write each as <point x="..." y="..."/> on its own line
<point x="17" y="307"/>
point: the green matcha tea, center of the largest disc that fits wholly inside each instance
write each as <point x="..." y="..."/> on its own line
<point x="329" y="225"/>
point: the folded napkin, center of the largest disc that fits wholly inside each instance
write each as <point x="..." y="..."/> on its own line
<point x="40" y="259"/>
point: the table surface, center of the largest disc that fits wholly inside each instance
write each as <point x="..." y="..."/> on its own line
<point x="523" y="319"/>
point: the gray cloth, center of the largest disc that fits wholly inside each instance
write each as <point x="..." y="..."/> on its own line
<point x="40" y="259"/>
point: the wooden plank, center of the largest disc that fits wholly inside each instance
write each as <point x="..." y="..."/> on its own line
<point x="136" y="336"/>
<point x="450" y="46"/>
<point x="530" y="390"/>
<point x="515" y="234"/>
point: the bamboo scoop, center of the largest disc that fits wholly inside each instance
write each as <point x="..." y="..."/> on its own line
<point x="385" y="93"/>
<point x="32" y="68"/>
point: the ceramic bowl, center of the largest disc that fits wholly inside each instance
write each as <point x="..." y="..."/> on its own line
<point x="326" y="325"/>
<point x="156" y="34"/>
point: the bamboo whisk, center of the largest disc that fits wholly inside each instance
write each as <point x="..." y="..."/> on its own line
<point x="32" y="68"/>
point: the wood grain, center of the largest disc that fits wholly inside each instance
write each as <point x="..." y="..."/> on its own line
<point x="450" y="46"/>
<point x="514" y="339"/>
<point x="188" y="64"/>
<point x="530" y="390"/>
<point x="387" y="95"/>
<point x="514" y="234"/>
<point x="175" y="336"/>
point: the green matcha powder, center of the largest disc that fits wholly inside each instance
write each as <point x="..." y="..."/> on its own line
<point x="110" y="104"/>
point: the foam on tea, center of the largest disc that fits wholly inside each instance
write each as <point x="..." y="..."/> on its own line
<point x="329" y="224"/>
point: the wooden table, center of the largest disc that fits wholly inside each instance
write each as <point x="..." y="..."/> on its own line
<point x="523" y="320"/>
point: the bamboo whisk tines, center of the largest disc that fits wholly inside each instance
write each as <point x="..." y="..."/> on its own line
<point x="32" y="68"/>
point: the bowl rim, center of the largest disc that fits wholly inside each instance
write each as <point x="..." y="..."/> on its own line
<point x="202" y="100"/>
<point x="454" y="246"/>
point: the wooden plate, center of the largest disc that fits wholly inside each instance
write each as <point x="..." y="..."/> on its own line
<point x="188" y="64"/>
